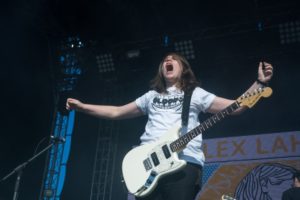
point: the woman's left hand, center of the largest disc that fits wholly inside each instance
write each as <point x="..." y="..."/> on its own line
<point x="265" y="72"/>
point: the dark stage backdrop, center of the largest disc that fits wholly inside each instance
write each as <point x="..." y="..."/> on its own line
<point x="226" y="66"/>
<point x="26" y="101"/>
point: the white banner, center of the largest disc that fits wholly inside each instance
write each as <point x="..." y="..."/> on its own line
<point x="243" y="148"/>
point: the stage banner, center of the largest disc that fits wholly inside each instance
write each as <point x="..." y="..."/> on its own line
<point x="254" y="167"/>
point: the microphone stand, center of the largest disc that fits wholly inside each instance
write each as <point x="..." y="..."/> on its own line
<point x="19" y="169"/>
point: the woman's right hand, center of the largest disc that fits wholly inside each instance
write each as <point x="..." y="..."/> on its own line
<point x="73" y="104"/>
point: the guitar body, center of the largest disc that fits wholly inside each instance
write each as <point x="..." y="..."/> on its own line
<point x="144" y="165"/>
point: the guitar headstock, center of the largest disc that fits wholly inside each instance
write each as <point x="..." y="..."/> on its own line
<point x="226" y="197"/>
<point x="250" y="99"/>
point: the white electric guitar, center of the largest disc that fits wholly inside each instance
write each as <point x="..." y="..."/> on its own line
<point x="144" y="165"/>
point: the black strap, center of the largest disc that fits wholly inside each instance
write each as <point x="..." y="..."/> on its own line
<point x="186" y="107"/>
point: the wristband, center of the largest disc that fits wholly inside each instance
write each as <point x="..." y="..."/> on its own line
<point x="262" y="83"/>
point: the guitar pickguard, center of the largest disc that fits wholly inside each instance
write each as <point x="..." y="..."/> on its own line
<point x="166" y="161"/>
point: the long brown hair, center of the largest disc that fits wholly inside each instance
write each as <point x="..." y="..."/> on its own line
<point x="187" y="80"/>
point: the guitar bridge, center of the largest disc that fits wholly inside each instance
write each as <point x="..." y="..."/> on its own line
<point x="142" y="189"/>
<point x="149" y="181"/>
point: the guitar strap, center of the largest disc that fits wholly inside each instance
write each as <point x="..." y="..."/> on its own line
<point x="186" y="107"/>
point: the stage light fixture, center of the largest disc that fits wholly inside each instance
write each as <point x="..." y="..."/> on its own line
<point x="289" y="32"/>
<point x="71" y="43"/>
<point x="166" y="41"/>
<point x="133" y="54"/>
<point x="105" y="63"/>
<point x="185" y="48"/>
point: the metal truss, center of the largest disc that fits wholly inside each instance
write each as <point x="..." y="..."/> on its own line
<point x="104" y="162"/>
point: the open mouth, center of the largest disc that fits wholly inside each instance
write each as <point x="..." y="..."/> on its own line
<point x="169" y="67"/>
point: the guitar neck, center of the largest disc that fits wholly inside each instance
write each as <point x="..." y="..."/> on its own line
<point x="181" y="142"/>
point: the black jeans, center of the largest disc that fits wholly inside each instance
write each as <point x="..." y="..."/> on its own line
<point x="182" y="185"/>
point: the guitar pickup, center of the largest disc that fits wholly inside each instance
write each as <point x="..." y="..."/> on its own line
<point x="147" y="164"/>
<point x="166" y="151"/>
<point x="154" y="159"/>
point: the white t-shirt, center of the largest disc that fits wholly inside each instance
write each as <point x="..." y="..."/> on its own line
<point x="164" y="111"/>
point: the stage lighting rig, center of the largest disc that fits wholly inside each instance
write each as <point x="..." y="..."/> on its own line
<point x="186" y="48"/>
<point x="69" y="67"/>
<point x="105" y="63"/>
<point x="289" y="32"/>
<point x="67" y="71"/>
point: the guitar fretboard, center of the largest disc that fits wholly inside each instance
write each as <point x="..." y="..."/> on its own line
<point x="181" y="142"/>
